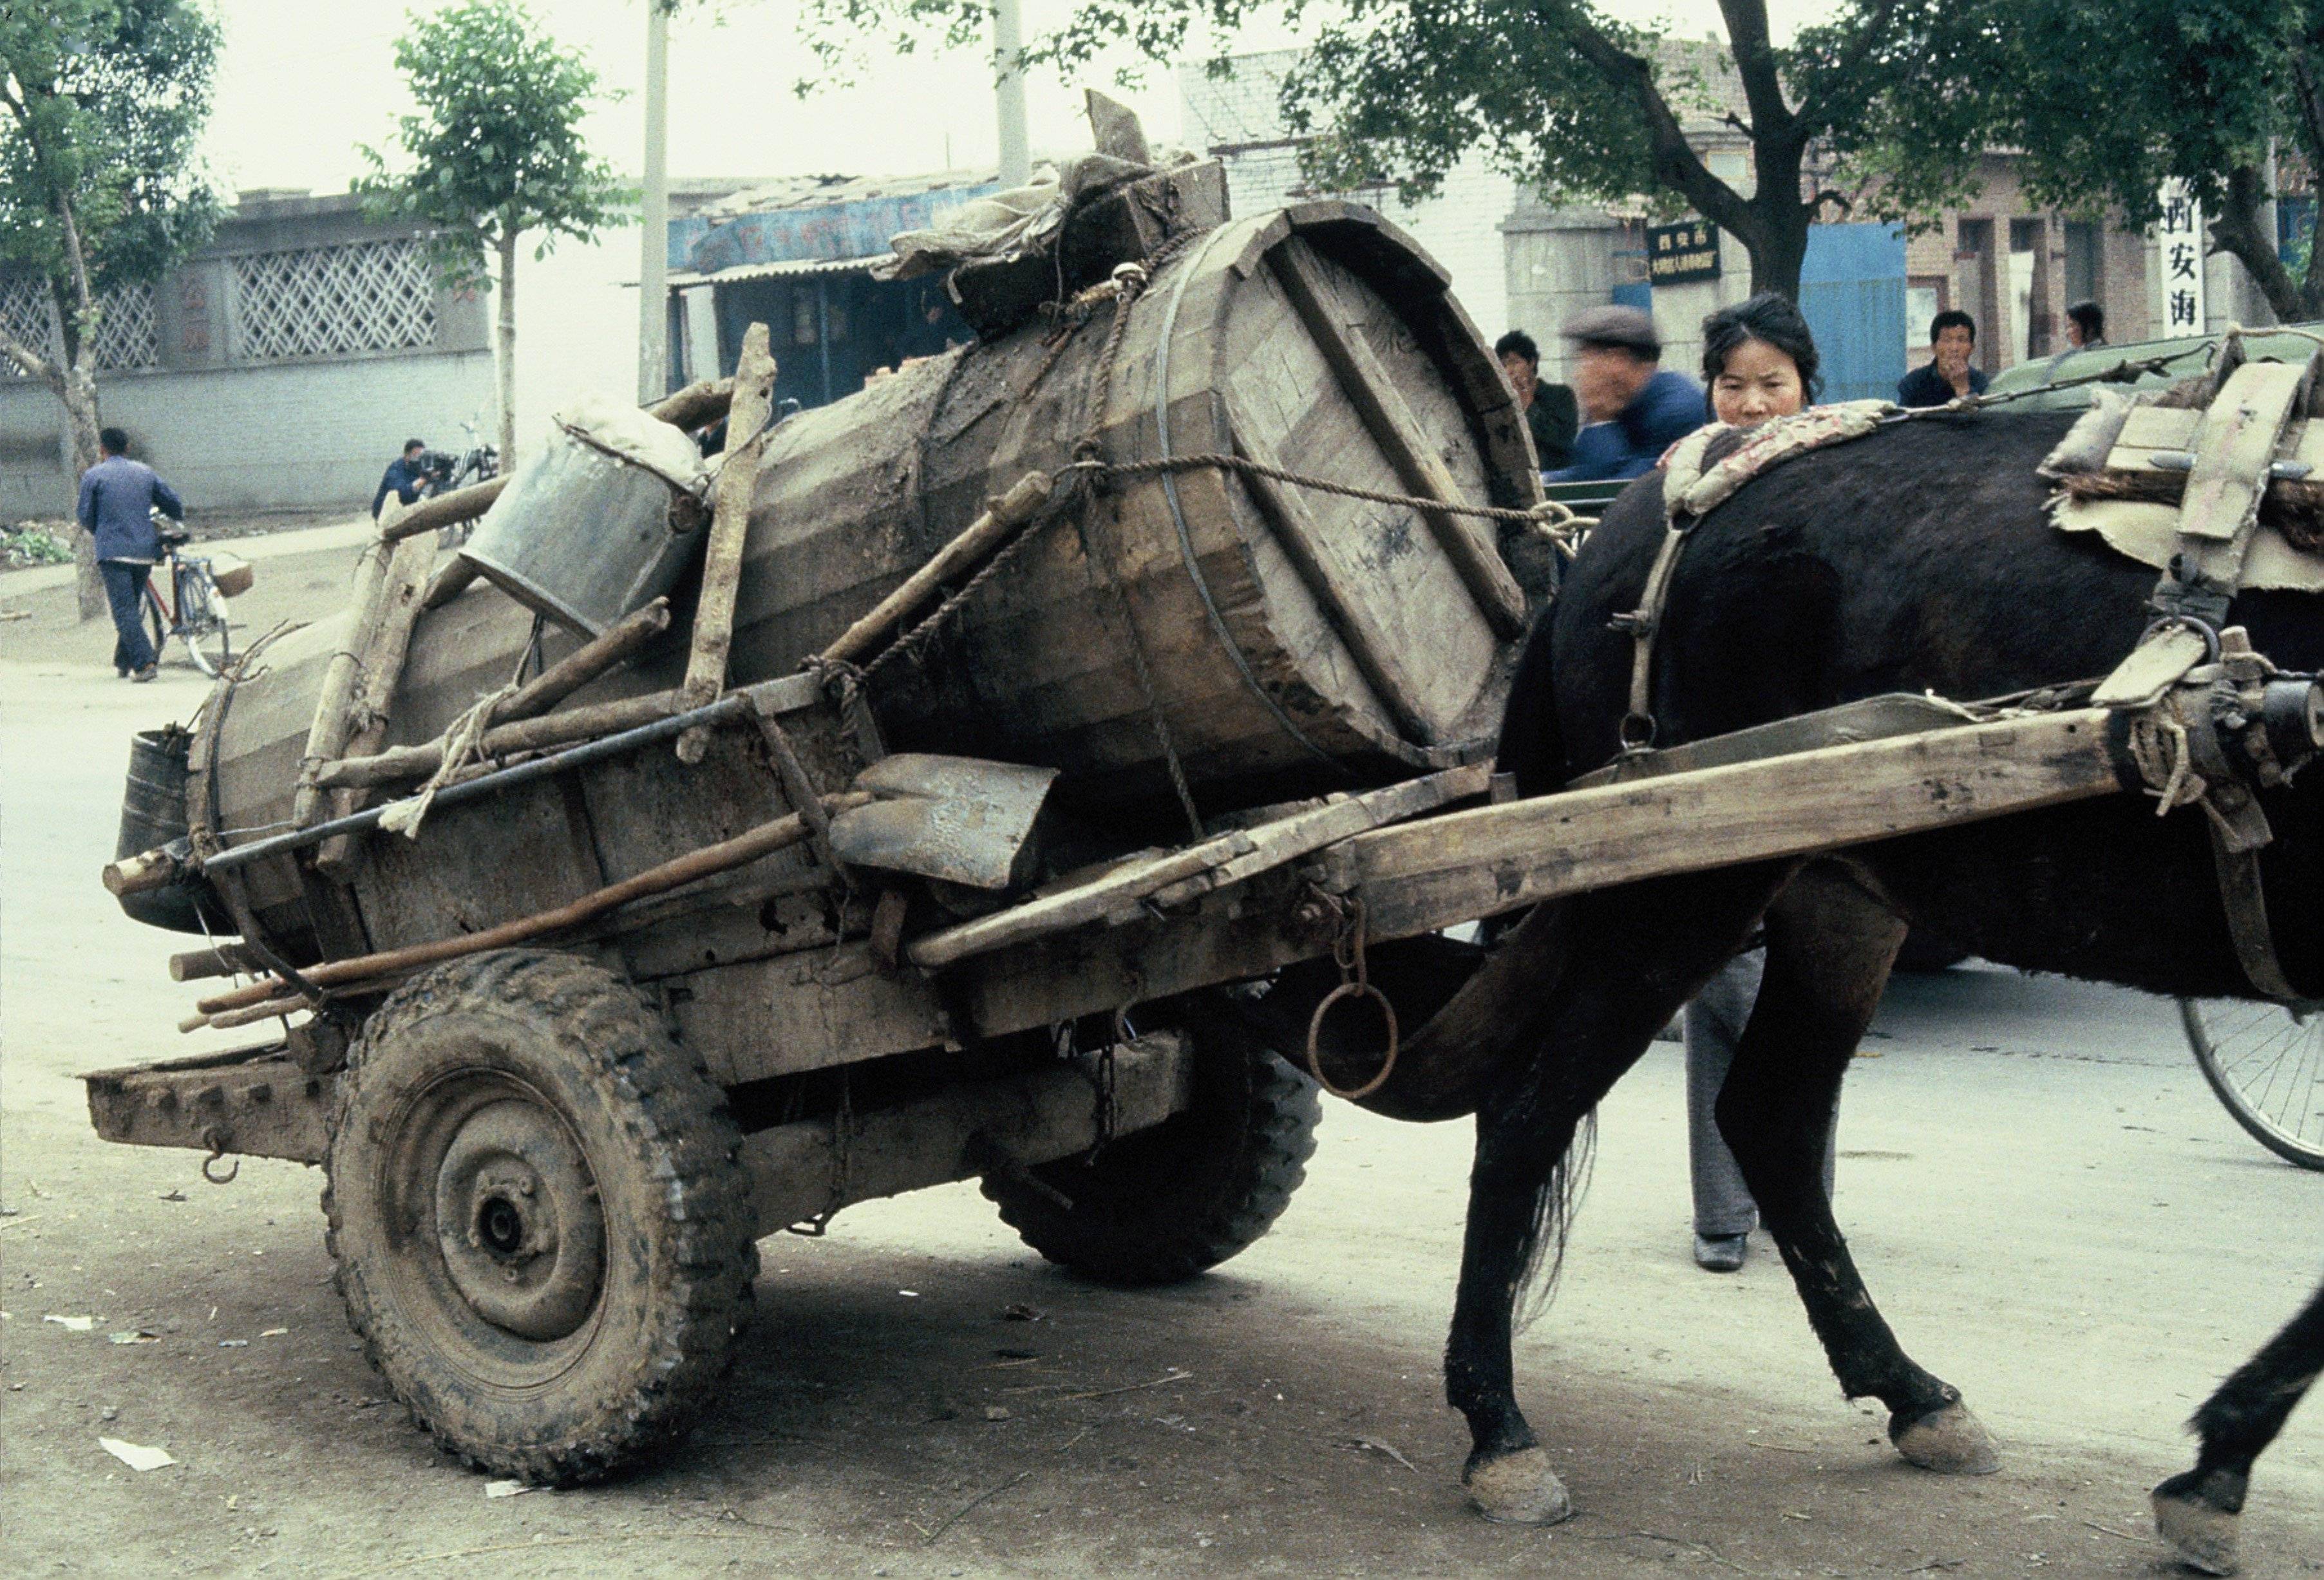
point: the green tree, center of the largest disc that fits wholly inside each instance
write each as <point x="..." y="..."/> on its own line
<point x="1556" y="92"/>
<point x="2105" y="99"/>
<point x="99" y="186"/>
<point x="496" y="152"/>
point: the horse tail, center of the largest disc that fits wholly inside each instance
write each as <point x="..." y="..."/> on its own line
<point x="1533" y="749"/>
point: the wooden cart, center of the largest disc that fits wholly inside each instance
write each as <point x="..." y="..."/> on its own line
<point x="702" y="947"/>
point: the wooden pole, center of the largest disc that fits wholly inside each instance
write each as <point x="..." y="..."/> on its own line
<point x="561" y="729"/>
<point x="379" y="669"/>
<point x="141" y="874"/>
<point x="711" y="860"/>
<point x="729" y="523"/>
<point x="334" y="710"/>
<point x="227" y="959"/>
<point x="976" y="543"/>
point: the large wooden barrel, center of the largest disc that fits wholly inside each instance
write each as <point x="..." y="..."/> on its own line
<point x="1290" y="641"/>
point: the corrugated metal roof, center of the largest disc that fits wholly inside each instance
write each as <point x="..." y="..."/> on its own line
<point x="785" y="269"/>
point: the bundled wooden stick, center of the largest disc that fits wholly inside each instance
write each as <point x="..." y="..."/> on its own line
<point x="730" y="522"/>
<point x="617" y="645"/>
<point x="2294" y="509"/>
<point x="738" y="851"/>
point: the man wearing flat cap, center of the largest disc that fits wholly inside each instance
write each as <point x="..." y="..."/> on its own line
<point x="1633" y="408"/>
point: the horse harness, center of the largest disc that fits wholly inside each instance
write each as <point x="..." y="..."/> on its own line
<point x="2214" y="705"/>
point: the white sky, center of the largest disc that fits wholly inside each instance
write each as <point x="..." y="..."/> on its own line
<point x="300" y="83"/>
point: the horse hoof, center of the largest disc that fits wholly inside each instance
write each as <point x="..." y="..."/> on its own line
<point x="2197" y="1515"/>
<point x="1948" y="1439"/>
<point x="1517" y="1489"/>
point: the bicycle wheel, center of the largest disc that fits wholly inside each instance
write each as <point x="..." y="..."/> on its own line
<point x="202" y="617"/>
<point x="157" y="624"/>
<point x="2266" y="1063"/>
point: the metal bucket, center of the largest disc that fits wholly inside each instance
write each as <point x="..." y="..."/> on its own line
<point x="154" y="815"/>
<point x="601" y="522"/>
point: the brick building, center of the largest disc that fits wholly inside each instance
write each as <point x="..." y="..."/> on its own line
<point x="278" y="369"/>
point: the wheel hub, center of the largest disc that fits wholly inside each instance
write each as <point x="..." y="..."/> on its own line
<point x="517" y="1215"/>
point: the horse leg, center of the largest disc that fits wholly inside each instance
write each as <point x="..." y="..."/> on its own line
<point x="1630" y="958"/>
<point x="1828" y="950"/>
<point x="2198" y="1511"/>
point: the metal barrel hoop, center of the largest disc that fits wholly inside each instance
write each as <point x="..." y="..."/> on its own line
<point x="1347" y="951"/>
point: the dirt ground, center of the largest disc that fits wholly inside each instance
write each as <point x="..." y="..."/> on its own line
<point x="2053" y="1212"/>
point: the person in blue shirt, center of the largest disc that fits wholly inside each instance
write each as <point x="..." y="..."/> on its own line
<point x="1952" y="338"/>
<point x="1632" y="407"/>
<point x="117" y="496"/>
<point x="403" y="477"/>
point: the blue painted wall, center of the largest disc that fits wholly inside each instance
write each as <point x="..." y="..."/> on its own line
<point x="1852" y="294"/>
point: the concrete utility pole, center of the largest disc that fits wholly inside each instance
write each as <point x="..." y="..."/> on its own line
<point x="653" y="262"/>
<point x="1009" y="91"/>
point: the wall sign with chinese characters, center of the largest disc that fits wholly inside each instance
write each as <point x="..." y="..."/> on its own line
<point x="1678" y="254"/>
<point x="2178" y="247"/>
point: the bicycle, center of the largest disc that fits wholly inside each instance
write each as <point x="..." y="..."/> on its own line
<point x="2265" y="1063"/>
<point x="195" y="610"/>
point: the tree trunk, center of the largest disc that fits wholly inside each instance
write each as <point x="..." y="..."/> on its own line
<point x="504" y="346"/>
<point x="75" y="392"/>
<point x="2241" y="228"/>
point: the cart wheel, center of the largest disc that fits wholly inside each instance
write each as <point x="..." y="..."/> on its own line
<point x="1164" y="1204"/>
<point x="539" y="1226"/>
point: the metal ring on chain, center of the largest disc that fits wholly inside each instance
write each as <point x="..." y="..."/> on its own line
<point x="1356" y="989"/>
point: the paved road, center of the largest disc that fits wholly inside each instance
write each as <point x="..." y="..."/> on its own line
<point x="2051" y="1209"/>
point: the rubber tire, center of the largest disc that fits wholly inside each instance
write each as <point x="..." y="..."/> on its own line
<point x="209" y="639"/>
<point x="662" y="1150"/>
<point x="2259" y="1126"/>
<point x="157" y="626"/>
<point x="1160" y="1206"/>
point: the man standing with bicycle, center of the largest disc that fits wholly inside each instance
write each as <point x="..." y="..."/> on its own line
<point x="117" y="496"/>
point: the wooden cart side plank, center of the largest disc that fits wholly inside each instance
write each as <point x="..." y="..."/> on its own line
<point x="1789" y="805"/>
<point x="806" y="1011"/>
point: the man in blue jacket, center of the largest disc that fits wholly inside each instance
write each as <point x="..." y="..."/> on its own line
<point x="117" y="496"/>
<point x="1633" y="408"/>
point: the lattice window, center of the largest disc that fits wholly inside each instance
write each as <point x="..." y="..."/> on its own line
<point x="126" y="334"/>
<point x="24" y="315"/>
<point x="330" y="301"/>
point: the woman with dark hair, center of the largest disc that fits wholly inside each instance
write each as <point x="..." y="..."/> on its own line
<point x="1759" y="362"/>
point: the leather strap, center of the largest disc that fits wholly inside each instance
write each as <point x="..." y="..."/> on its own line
<point x="2246" y="908"/>
<point x="1637" y="731"/>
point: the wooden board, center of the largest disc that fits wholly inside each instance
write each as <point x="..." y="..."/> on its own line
<point x="1437" y="872"/>
<point x="804" y="1012"/>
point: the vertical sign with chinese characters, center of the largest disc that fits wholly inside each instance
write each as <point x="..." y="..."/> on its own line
<point x="2178" y="247"/>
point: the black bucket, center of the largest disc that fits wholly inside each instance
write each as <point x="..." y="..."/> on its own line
<point x="154" y="815"/>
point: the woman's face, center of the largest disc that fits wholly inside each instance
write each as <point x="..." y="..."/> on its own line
<point x="1757" y="382"/>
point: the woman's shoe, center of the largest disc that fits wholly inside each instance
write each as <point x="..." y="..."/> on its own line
<point x="148" y="673"/>
<point x="1721" y="1252"/>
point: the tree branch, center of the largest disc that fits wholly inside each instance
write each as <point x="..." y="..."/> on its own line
<point x="1676" y="164"/>
<point x="34" y="364"/>
<point x="1872" y="26"/>
<point x="1755" y="63"/>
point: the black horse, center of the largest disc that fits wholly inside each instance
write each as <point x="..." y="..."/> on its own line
<point x="1916" y="558"/>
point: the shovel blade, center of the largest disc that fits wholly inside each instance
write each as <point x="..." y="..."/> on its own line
<point x="960" y="819"/>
